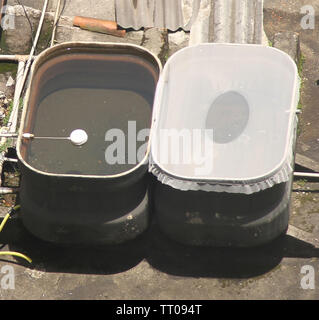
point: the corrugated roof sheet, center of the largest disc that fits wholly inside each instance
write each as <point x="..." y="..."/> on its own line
<point x="238" y="21"/>
<point x="168" y="14"/>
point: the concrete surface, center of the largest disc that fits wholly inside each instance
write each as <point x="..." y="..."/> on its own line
<point x="36" y="4"/>
<point x="155" y="40"/>
<point x="68" y="33"/>
<point x="177" y="40"/>
<point x="154" y="267"/>
<point x="99" y="9"/>
<point x="281" y="15"/>
<point x="288" y="42"/>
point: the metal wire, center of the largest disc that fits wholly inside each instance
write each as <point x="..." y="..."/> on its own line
<point x="57" y="20"/>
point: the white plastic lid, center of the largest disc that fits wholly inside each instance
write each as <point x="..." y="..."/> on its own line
<point x="245" y="94"/>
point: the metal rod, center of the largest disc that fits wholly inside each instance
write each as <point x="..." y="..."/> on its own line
<point x="306" y="175"/>
<point x="10" y="160"/>
<point x="52" y="138"/>
<point x="16" y="100"/>
<point x="30" y="136"/>
<point x="8" y="135"/>
<point x="22" y="79"/>
<point x="14" y="57"/>
<point x="26" y="71"/>
<point x="5" y="190"/>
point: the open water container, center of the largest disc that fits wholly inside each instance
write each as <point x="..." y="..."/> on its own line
<point x="81" y="99"/>
<point x="222" y="145"/>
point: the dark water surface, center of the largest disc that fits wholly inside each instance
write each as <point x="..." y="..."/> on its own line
<point x="95" y="96"/>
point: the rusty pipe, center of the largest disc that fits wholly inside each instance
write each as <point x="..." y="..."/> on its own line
<point x="98" y="25"/>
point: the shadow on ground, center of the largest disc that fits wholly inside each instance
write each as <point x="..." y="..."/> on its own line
<point x="180" y="260"/>
<point x="160" y="252"/>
